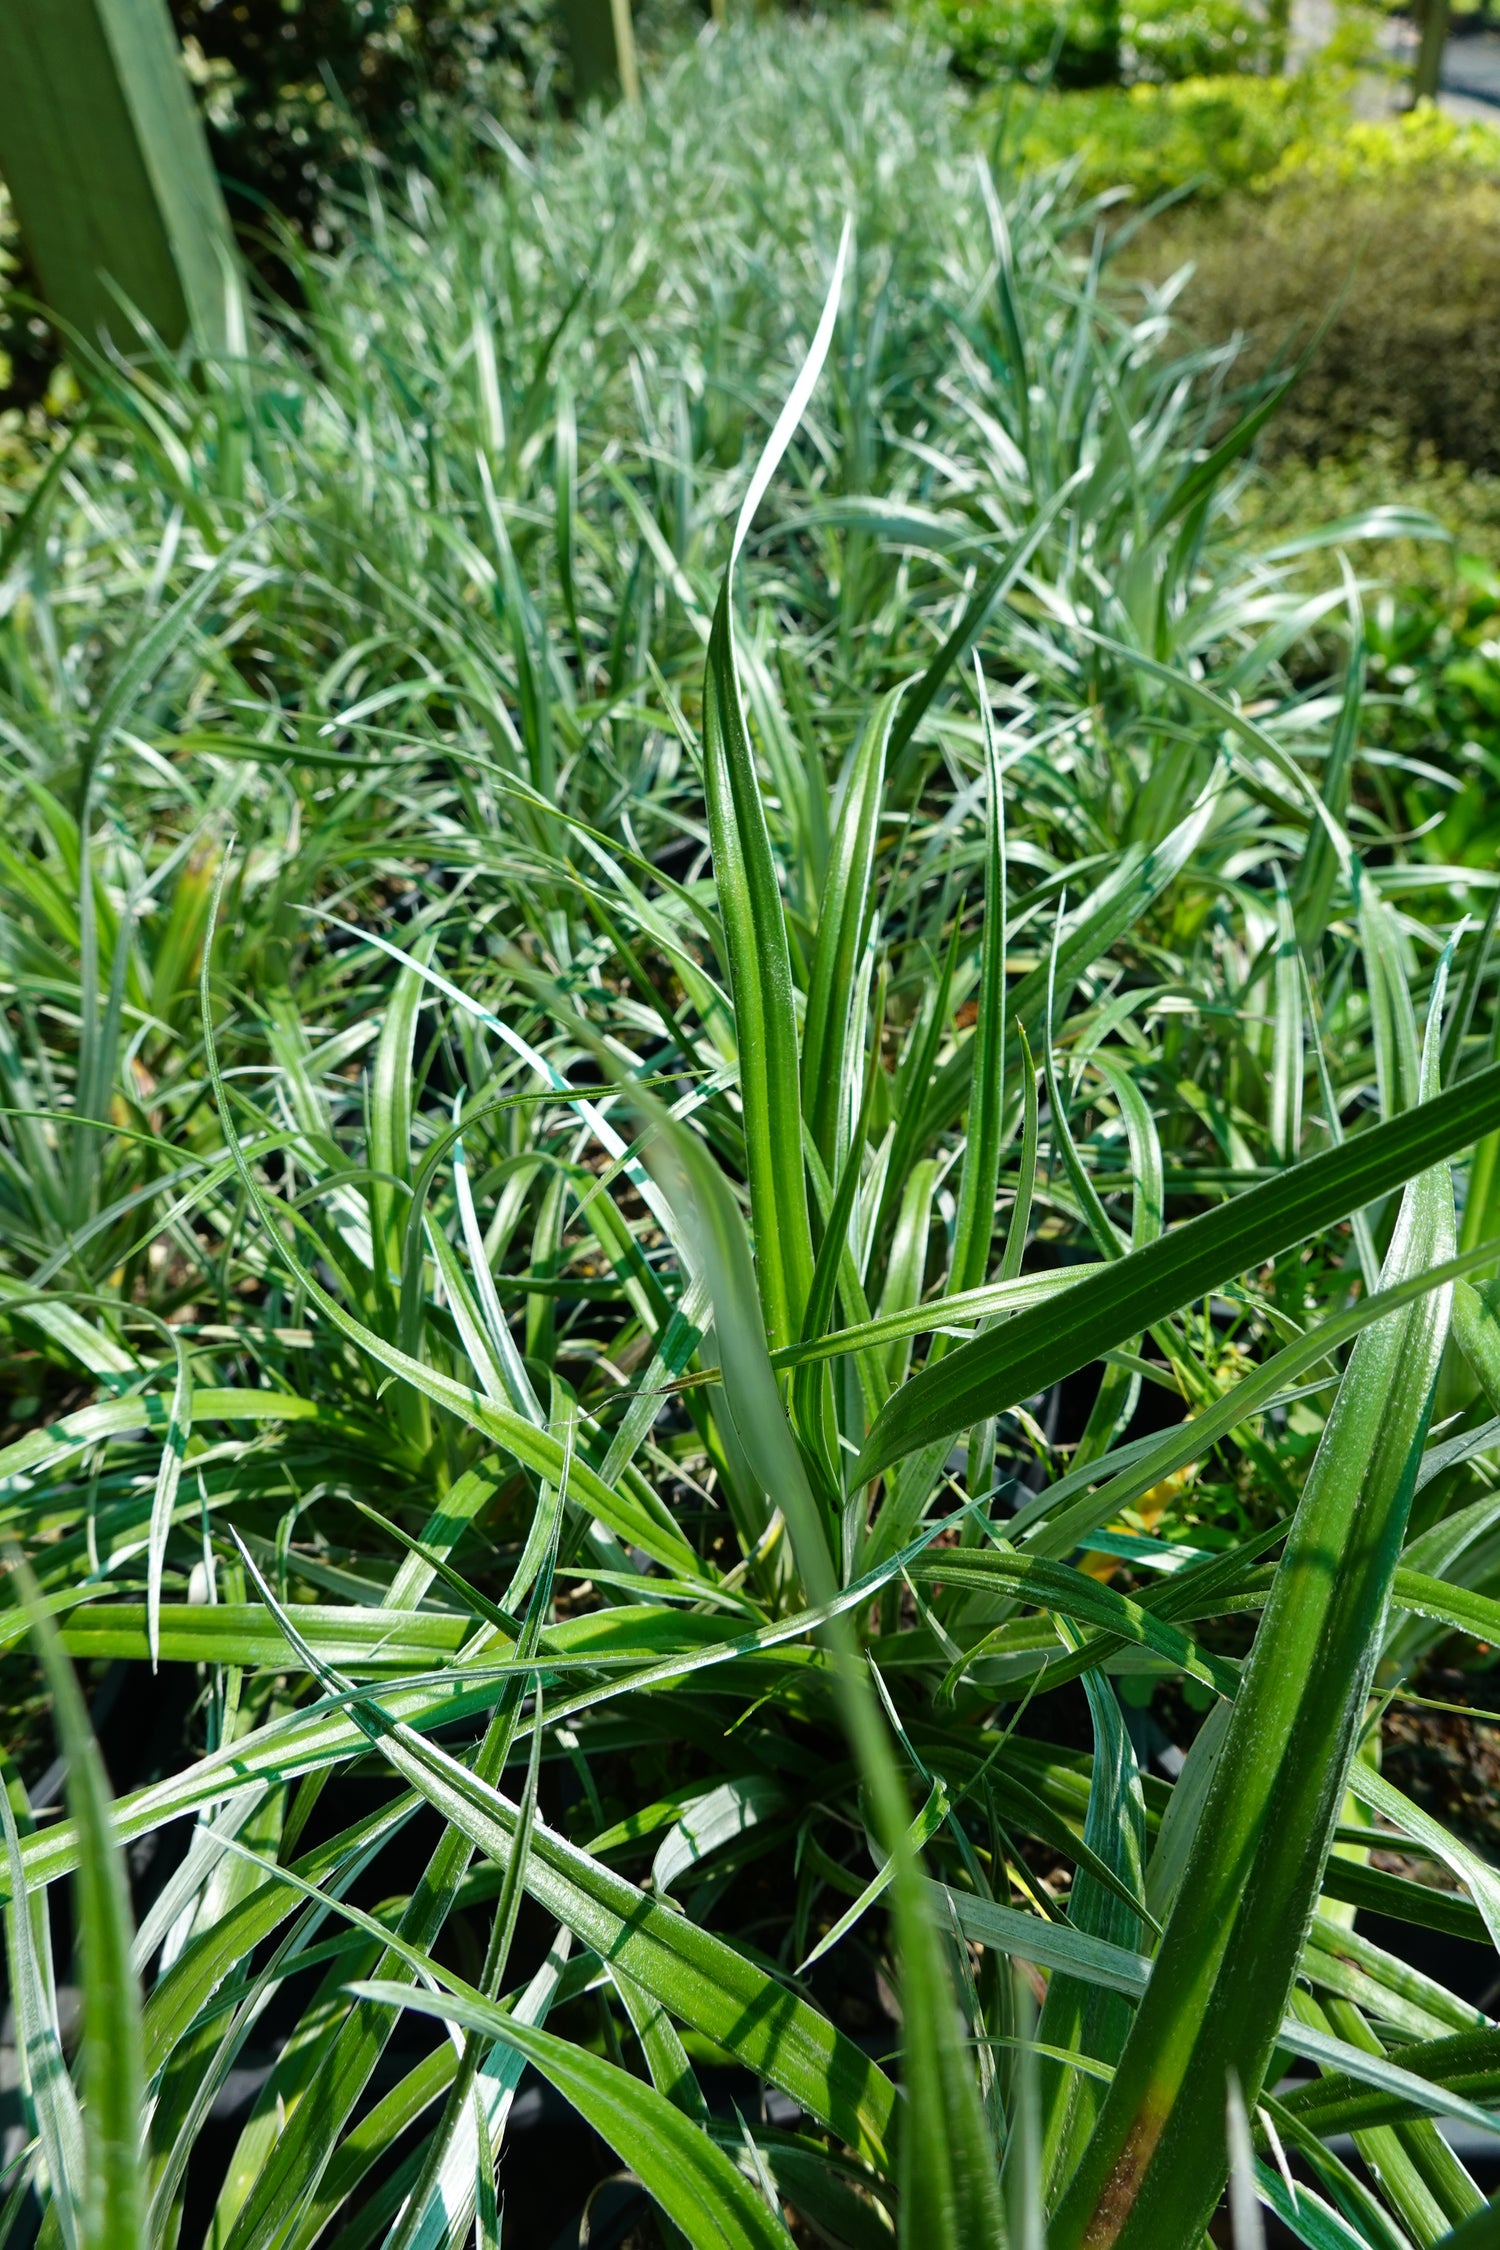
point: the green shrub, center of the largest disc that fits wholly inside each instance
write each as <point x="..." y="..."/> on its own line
<point x="1404" y="270"/>
<point x="299" y="94"/>
<point x="1094" y="43"/>
<point x="1434" y="621"/>
<point x="1464" y="501"/>
<point x="1176" y="39"/>
<point x="301" y="97"/>
<point x="991" y="40"/>
<point x="1211" y="134"/>
<point x="1423" y="144"/>
<point x="1433" y="618"/>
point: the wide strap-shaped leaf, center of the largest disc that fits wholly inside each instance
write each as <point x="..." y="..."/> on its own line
<point x="843" y="917"/>
<point x="1074" y="2014"/>
<point x="677" y="2163"/>
<point x="949" y="2194"/>
<point x="1048" y="1341"/>
<point x="114" y="2182"/>
<point x="56" y="1442"/>
<point x="1070" y="1593"/>
<point x="760" y="981"/>
<point x="1443" y="2080"/>
<point x="1466" y="2064"/>
<point x="1481" y="2232"/>
<point x="1156" y="2163"/>
<point x="754" y="922"/>
<point x="51" y="2103"/>
<point x="974" y="1221"/>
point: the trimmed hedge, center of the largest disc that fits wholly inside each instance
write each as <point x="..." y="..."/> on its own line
<point x="1391" y="236"/>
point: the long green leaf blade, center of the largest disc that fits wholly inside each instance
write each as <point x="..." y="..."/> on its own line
<point x="1046" y="1342"/>
<point x="1158" y="2158"/>
<point x="691" y="2179"/>
<point x="114" y="2198"/>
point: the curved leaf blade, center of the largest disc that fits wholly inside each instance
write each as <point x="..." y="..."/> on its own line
<point x="1048" y="1341"/>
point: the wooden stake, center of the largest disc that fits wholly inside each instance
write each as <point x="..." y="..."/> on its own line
<point x="1427" y="76"/>
<point x="601" y="40"/>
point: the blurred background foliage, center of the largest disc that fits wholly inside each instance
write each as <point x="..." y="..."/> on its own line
<point x="1097" y="42"/>
<point x="301" y="96"/>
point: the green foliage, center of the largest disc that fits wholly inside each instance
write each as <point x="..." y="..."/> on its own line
<point x="1433" y="644"/>
<point x="1466" y="504"/>
<point x="1096" y="42"/>
<point x="1396" y="274"/>
<point x="991" y="40"/>
<point x="1163" y="40"/>
<point x="1211" y="134"/>
<point x="300" y="98"/>
<point x="1373" y="241"/>
<point x="1436" y="656"/>
<point x="1213" y="128"/>
<point x="1424" y="144"/>
<point x="9" y="263"/>
<point x="541" y="1033"/>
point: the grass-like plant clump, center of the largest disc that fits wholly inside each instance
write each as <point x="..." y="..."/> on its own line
<point x="748" y="1161"/>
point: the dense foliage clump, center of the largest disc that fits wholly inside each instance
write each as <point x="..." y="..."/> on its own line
<point x="1206" y="138"/>
<point x="1097" y="42"/>
<point x="301" y="100"/>
<point x="1378" y="252"/>
<point x="749" y="1204"/>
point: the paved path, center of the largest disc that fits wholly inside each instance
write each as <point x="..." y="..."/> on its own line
<point x="1471" y="68"/>
<point x="1471" y="63"/>
<point x="1471" y="72"/>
